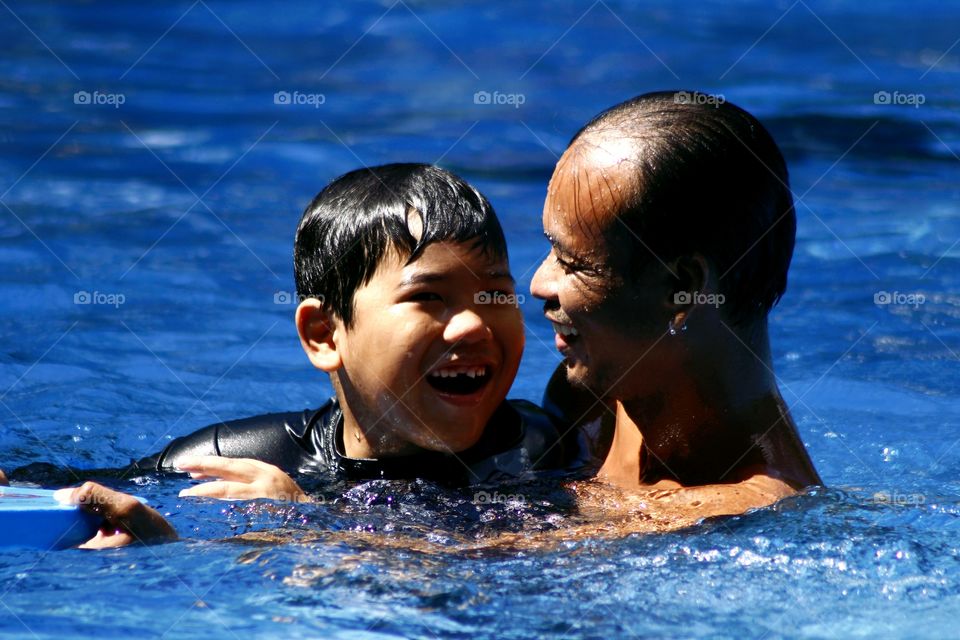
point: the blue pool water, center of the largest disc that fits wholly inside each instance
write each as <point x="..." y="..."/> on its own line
<point x="175" y="210"/>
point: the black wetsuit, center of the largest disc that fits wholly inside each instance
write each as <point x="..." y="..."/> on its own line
<point x="519" y="438"/>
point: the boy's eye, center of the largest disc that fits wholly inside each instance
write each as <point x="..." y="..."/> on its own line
<point x="425" y="296"/>
<point x="496" y="297"/>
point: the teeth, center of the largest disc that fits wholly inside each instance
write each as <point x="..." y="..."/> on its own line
<point x="565" y="330"/>
<point x="453" y="371"/>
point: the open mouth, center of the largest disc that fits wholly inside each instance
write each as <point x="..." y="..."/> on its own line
<point x="459" y="380"/>
<point x="566" y="333"/>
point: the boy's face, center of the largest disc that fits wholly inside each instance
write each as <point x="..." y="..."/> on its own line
<point x="433" y="350"/>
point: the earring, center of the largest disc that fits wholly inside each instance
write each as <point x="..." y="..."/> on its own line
<point x="672" y="328"/>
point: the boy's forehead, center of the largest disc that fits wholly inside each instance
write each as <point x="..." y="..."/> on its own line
<point x="441" y="260"/>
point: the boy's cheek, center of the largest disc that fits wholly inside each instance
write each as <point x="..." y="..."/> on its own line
<point x="511" y="336"/>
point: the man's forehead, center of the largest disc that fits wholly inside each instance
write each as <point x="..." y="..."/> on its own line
<point x="591" y="184"/>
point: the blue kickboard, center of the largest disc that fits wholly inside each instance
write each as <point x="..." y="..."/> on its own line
<point x="34" y="518"/>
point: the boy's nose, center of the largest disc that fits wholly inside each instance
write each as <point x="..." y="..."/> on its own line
<point x="544" y="283"/>
<point x="466" y="326"/>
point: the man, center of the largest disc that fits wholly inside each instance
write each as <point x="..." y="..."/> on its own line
<point x="672" y="227"/>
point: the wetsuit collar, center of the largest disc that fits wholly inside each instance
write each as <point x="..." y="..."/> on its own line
<point x="503" y="432"/>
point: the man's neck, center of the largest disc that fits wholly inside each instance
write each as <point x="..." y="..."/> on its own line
<point x="708" y="426"/>
<point x="683" y="443"/>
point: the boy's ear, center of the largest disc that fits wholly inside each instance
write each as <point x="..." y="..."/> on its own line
<point x="316" y="327"/>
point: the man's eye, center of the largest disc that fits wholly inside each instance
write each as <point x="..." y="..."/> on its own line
<point x="579" y="269"/>
<point x="567" y="267"/>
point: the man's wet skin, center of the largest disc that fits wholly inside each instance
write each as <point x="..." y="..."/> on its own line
<point x="694" y="409"/>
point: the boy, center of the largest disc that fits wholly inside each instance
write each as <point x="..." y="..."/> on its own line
<point x="407" y="303"/>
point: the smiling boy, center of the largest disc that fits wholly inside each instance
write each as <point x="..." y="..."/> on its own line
<point x="407" y="302"/>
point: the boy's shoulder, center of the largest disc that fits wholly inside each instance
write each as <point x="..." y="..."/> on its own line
<point x="289" y="440"/>
<point x="519" y="438"/>
<point x="542" y="436"/>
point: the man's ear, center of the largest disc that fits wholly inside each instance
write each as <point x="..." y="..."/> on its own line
<point x="694" y="278"/>
<point x="316" y="327"/>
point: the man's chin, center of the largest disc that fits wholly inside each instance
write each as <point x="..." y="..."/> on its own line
<point x="577" y="372"/>
<point x="581" y="376"/>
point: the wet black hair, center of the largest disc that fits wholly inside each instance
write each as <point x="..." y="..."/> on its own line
<point x="710" y="180"/>
<point x="364" y="215"/>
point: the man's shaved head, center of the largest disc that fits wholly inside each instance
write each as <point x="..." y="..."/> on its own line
<point x="676" y="174"/>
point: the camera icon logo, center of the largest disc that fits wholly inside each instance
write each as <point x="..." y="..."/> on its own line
<point x="882" y="297"/>
<point x="281" y="97"/>
<point x="81" y="97"/>
<point x="482" y="297"/>
<point x="881" y="97"/>
<point x="81" y="297"/>
<point x="282" y="297"/>
<point x="681" y="97"/>
<point x="481" y="97"/>
<point x="682" y="297"/>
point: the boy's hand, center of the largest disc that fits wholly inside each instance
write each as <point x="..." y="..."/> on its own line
<point x="240" y="479"/>
<point x="126" y="519"/>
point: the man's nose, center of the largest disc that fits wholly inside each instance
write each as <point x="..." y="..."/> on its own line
<point x="466" y="326"/>
<point x="544" y="283"/>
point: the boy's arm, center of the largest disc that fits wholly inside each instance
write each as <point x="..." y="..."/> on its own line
<point x="126" y="519"/>
<point x="240" y="479"/>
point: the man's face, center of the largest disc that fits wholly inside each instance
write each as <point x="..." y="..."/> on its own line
<point x="606" y="319"/>
<point x="433" y="349"/>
